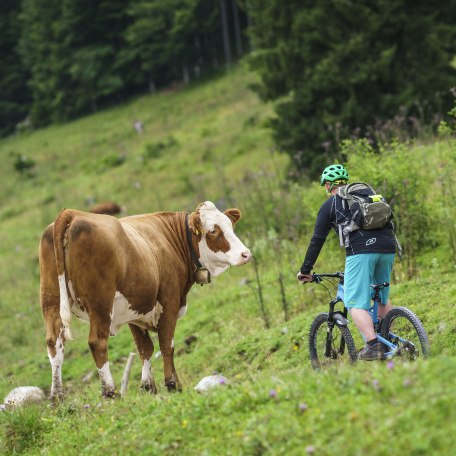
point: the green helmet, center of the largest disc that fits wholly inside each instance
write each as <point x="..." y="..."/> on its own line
<point x="333" y="173"/>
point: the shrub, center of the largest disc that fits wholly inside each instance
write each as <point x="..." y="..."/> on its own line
<point x="401" y="174"/>
<point x="24" y="165"/>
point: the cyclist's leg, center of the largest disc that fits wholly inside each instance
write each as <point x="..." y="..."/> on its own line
<point x="382" y="273"/>
<point x="357" y="292"/>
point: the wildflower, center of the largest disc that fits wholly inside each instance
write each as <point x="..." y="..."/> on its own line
<point x="184" y="424"/>
<point x="310" y="449"/>
<point x="273" y="393"/>
<point x="407" y="382"/>
<point x="87" y="406"/>
<point x="390" y="364"/>
<point x="303" y="407"/>
<point x="376" y="385"/>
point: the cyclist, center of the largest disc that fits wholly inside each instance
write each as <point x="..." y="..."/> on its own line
<point x="369" y="259"/>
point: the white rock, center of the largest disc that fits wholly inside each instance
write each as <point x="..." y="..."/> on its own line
<point x="24" y="395"/>
<point x="212" y="381"/>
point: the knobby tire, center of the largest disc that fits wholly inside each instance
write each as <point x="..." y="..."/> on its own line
<point x="317" y="353"/>
<point x="407" y="314"/>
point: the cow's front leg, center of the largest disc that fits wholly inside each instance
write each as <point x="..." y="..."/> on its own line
<point x="145" y="349"/>
<point x="166" y="341"/>
<point x="98" y="343"/>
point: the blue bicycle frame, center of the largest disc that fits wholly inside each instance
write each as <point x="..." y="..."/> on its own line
<point x="373" y="311"/>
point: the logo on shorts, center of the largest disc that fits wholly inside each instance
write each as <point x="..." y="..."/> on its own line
<point x="371" y="241"/>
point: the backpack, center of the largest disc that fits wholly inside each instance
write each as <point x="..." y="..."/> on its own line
<point x="369" y="211"/>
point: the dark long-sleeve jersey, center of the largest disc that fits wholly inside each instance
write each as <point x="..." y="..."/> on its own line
<point x="332" y="213"/>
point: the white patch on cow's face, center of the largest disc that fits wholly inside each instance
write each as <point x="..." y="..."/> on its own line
<point x="218" y="262"/>
<point x="182" y="312"/>
<point x="146" y="374"/>
<point x="56" y="366"/>
<point x="122" y="313"/>
<point x="106" y="377"/>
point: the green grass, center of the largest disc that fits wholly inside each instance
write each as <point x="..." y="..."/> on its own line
<point x="208" y="141"/>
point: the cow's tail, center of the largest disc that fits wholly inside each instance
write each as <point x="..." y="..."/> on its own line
<point x="60" y="226"/>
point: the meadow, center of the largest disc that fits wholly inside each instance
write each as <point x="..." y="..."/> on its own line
<point x="210" y="141"/>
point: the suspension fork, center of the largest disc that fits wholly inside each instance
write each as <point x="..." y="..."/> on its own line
<point x="329" y="333"/>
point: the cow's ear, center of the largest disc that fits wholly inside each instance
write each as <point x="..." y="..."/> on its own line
<point x="233" y="214"/>
<point x="194" y="223"/>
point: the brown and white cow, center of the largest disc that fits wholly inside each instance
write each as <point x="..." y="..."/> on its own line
<point x="136" y="270"/>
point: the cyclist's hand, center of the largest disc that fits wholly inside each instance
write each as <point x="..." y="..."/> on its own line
<point x="304" y="278"/>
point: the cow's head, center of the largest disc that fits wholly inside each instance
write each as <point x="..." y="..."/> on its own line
<point x="219" y="248"/>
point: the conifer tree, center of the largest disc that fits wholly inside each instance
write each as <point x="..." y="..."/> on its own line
<point x="335" y="67"/>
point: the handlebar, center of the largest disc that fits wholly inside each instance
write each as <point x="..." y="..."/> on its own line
<point x="317" y="278"/>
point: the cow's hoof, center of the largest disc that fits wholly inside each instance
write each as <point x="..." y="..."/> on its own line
<point x="56" y="398"/>
<point x="149" y="388"/>
<point x="173" y="387"/>
<point x="111" y="394"/>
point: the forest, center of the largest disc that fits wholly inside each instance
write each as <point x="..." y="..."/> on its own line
<point x="334" y="69"/>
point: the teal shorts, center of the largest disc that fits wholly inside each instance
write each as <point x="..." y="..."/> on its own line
<point x="361" y="271"/>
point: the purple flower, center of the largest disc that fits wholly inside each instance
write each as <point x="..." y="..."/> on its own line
<point x="376" y="385"/>
<point x="390" y="364"/>
<point x="310" y="449"/>
<point x="86" y="406"/>
<point x="303" y="406"/>
<point x="273" y="393"/>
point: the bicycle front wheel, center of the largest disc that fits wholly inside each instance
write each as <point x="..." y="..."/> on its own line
<point x="329" y="346"/>
<point x="405" y="330"/>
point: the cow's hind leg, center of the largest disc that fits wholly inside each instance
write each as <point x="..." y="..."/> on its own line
<point x="166" y="341"/>
<point x="98" y="343"/>
<point x="145" y="350"/>
<point x="55" y="341"/>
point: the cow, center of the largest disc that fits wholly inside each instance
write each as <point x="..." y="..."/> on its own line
<point x="108" y="208"/>
<point x="135" y="270"/>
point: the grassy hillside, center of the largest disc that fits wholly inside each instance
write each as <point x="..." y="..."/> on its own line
<point x="204" y="142"/>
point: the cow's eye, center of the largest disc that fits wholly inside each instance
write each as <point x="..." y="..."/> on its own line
<point x="213" y="231"/>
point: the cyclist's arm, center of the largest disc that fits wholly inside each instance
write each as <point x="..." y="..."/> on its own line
<point x="322" y="228"/>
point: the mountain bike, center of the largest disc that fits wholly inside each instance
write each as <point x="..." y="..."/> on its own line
<point x="331" y="341"/>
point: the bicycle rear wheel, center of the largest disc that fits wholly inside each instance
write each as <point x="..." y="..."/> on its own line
<point x="402" y="327"/>
<point x="340" y="343"/>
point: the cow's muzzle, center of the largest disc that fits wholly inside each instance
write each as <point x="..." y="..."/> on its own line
<point x="246" y="257"/>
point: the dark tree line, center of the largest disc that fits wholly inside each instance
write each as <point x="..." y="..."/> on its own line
<point x="65" y="58"/>
<point x="337" y="67"/>
<point x="334" y="68"/>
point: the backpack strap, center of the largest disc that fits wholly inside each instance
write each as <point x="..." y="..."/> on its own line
<point x="341" y="236"/>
